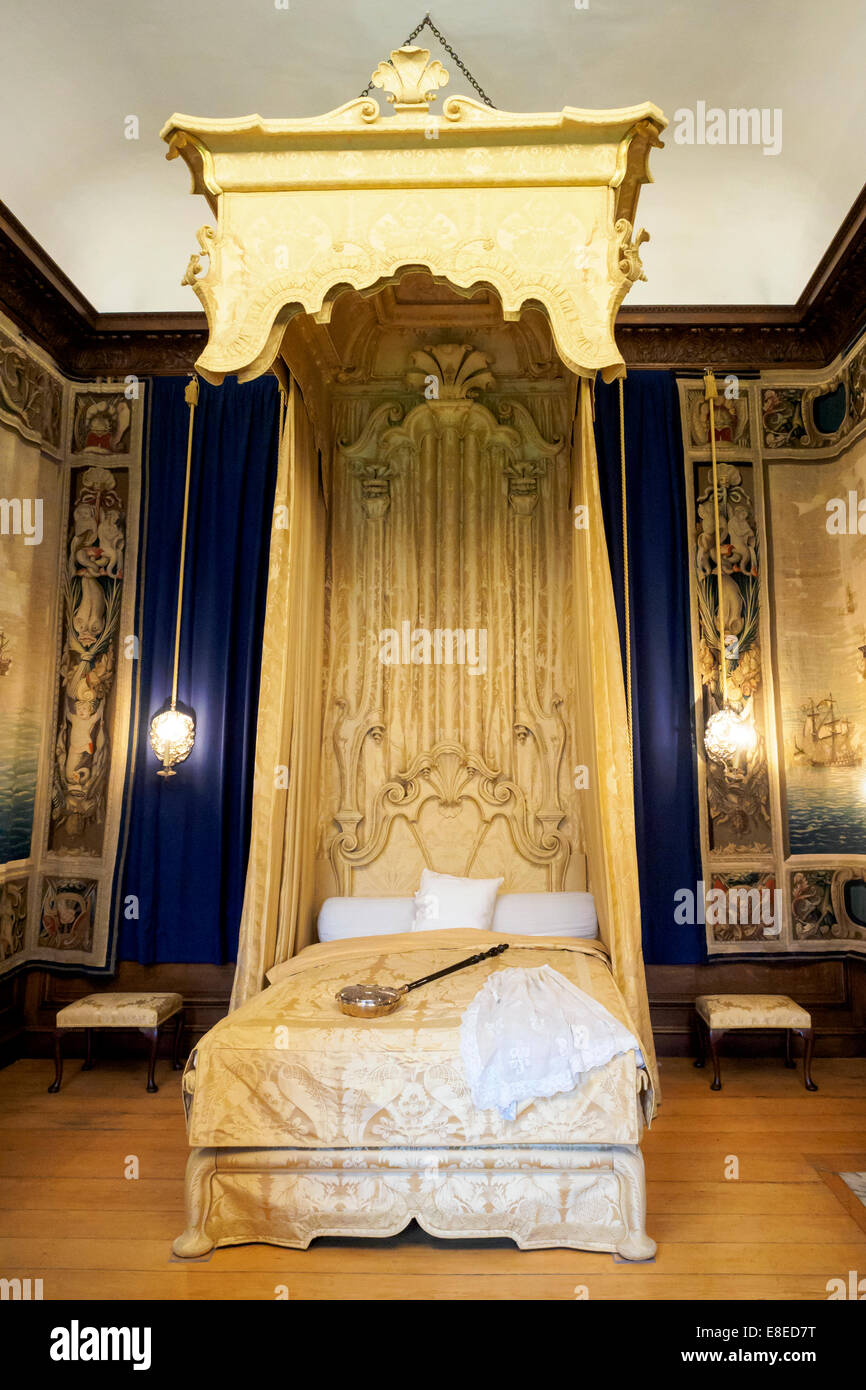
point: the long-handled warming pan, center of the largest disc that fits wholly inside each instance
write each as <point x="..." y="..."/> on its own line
<point x="372" y="1001"/>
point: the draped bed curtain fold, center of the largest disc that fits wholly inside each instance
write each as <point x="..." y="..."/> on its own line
<point x="277" y="917"/>
<point x="602" y="737"/>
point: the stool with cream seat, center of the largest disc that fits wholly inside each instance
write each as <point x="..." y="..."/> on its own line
<point x="145" y="1011"/>
<point x="723" y="1013"/>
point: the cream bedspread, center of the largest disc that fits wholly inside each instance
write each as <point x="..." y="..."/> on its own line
<point x="288" y="1069"/>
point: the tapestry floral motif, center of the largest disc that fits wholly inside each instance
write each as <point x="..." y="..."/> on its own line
<point x="738" y="792"/>
<point x="66" y="919"/>
<point x="30" y="397"/>
<point x="13" y="917"/>
<point x="819" y="905"/>
<point x="101" y="424"/>
<point x="93" y="585"/>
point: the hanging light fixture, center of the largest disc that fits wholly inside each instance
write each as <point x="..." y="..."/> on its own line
<point x="172" y="728"/>
<point x="729" y="733"/>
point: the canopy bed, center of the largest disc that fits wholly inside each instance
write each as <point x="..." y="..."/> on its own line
<point x="436" y="294"/>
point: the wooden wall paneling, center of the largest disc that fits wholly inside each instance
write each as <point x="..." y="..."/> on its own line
<point x="834" y="992"/>
<point x="206" y="990"/>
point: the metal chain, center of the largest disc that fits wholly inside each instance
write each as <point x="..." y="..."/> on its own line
<point x="427" y="22"/>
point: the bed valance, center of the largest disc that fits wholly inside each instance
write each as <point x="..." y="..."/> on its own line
<point x="539" y="207"/>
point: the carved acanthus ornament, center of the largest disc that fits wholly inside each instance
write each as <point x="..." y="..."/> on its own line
<point x="450" y="372"/>
<point x="628" y="250"/>
<point x="410" y="79"/>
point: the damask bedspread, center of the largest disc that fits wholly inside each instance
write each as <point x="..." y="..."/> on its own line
<point x="289" y="1069"/>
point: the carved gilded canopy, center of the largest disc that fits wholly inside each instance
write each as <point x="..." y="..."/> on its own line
<point x="540" y="208"/>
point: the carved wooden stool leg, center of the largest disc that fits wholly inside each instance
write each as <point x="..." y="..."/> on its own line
<point x="789" y="1048"/>
<point x="808" y="1044"/>
<point x="178" y="1040"/>
<point x="716" y="1035"/>
<point x="153" y="1034"/>
<point x="88" y="1050"/>
<point x="58" y="1061"/>
<point x="701" y="1058"/>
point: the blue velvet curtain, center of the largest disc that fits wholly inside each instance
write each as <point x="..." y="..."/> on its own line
<point x="666" y="810"/>
<point x="185" y="838"/>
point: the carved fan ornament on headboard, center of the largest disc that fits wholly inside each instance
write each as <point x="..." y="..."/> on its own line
<point x="448" y="501"/>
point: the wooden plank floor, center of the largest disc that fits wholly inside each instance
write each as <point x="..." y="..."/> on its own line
<point x="70" y="1217"/>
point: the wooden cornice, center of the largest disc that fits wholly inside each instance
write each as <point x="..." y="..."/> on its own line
<point x="831" y="311"/>
<point x="826" y="319"/>
<point x="43" y="302"/>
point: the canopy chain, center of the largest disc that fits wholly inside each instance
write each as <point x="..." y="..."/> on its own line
<point x="427" y="22"/>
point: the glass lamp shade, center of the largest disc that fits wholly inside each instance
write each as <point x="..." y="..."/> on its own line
<point x="172" y="735"/>
<point x="729" y="736"/>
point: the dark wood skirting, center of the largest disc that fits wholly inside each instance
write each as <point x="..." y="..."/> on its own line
<point x="834" y="992"/>
<point x="830" y="313"/>
<point x="29" y="1004"/>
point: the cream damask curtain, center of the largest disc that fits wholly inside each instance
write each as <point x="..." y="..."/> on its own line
<point x="277" y="917"/>
<point x="602" y="738"/>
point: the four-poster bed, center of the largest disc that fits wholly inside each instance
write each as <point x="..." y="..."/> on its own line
<point x="436" y="294"/>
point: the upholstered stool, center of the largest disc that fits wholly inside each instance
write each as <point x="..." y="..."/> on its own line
<point x="723" y="1013"/>
<point x="147" y="1012"/>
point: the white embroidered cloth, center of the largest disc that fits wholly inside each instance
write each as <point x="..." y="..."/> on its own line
<point x="530" y="1033"/>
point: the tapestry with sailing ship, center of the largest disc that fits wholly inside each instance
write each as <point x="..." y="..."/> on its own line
<point x="819" y="581"/>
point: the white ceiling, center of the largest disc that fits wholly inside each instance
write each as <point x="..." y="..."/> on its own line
<point x="728" y="223"/>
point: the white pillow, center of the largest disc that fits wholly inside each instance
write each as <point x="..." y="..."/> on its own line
<point x="342" y="918"/>
<point x="546" y="914"/>
<point x="444" y="901"/>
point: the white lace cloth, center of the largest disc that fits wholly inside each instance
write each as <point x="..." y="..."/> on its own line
<point x="531" y="1033"/>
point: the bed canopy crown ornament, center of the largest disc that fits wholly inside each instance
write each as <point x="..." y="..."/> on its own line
<point x="539" y="207"/>
<point x="410" y="79"/>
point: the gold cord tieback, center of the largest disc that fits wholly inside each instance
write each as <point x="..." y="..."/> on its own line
<point x="625" y="570"/>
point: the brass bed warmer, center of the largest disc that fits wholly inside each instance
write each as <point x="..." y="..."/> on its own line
<point x="373" y="1001"/>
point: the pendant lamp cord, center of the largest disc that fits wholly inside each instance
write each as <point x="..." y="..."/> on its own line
<point x="190" y="395"/>
<point x="711" y="395"/>
<point x="284" y="410"/>
<point x="626" y="599"/>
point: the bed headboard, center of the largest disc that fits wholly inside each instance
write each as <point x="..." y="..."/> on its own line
<point x="450" y="812"/>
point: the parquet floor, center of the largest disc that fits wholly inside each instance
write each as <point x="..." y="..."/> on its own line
<point x="70" y="1217"/>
